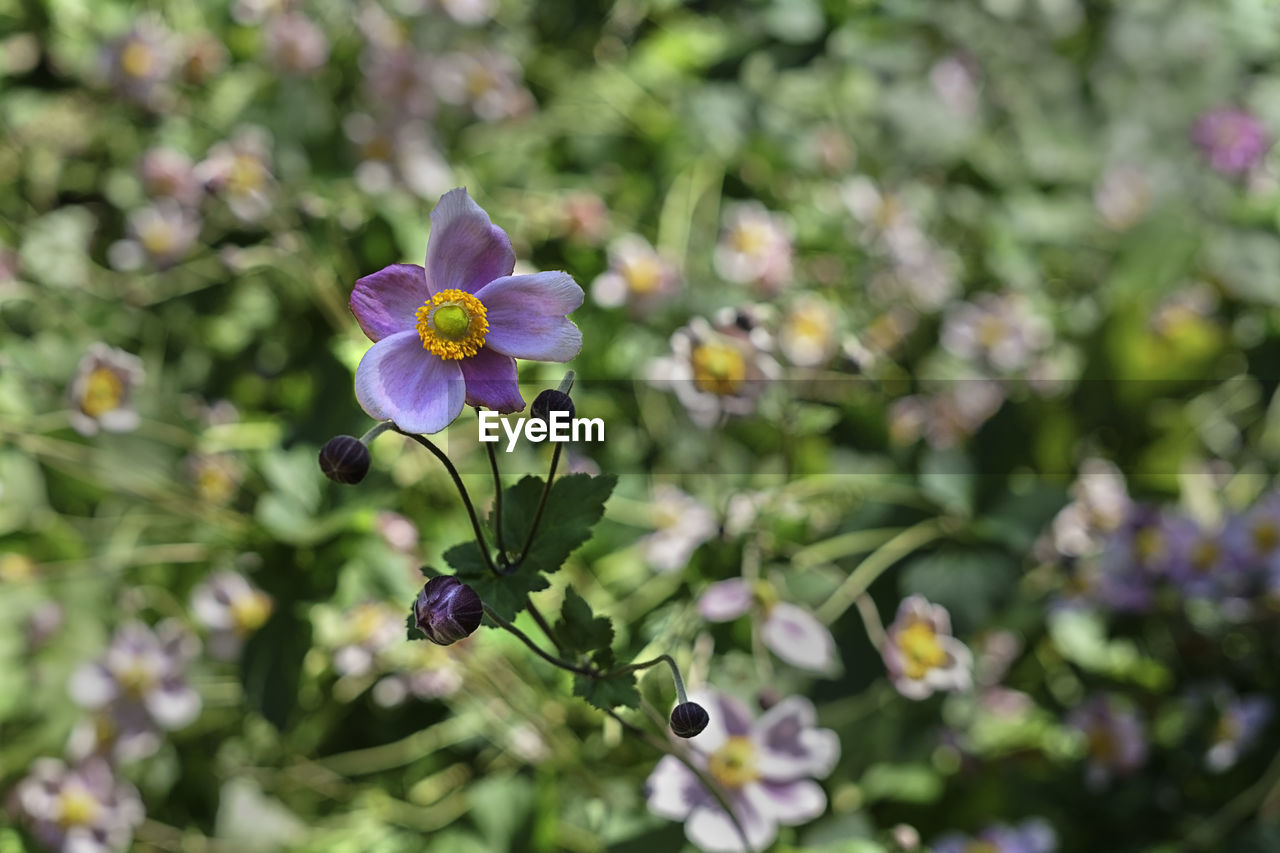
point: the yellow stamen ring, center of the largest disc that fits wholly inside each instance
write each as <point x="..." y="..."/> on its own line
<point x="452" y="324"/>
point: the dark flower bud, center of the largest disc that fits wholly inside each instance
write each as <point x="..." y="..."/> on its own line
<point x="344" y="459"/>
<point x="689" y="719"/>
<point x="550" y="401"/>
<point x="447" y="610"/>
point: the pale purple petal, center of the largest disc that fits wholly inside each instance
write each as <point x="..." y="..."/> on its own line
<point x="672" y="791"/>
<point x="729" y="717"/>
<point x="491" y="381"/>
<point x="465" y="250"/>
<point x="92" y="686"/>
<point x="173" y="706"/>
<point x="398" y="380"/>
<point x="385" y="302"/>
<point x="725" y="600"/>
<point x="526" y="316"/>
<point x="788" y="803"/>
<point x="797" y="637"/>
<point x="788" y="745"/>
<point x="712" y="830"/>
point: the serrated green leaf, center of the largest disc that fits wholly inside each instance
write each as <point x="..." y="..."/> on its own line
<point x="411" y="631"/>
<point x="608" y="693"/>
<point x="506" y="594"/>
<point x="579" y="629"/>
<point x="575" y="504"/>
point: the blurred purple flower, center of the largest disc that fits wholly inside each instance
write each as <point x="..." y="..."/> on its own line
<point x="139" y="683"/>
<point x="765" y="768"/>
<point x="102" y="391"/>
<point x="638" y="276"/>
<point x="169" y="174"/>
<point x="1115" y="739"/>
<point x="450" y="333"/>
<point x="215" y="476"/>
<point x="683" y="523"/>
<point x="1233" y="140"/>
<point x="395" y="155"/>
<point x="140" y="62"/>
<point x="1032" y="836"/>
<point x="997" y="331"/>
<point x="295" y="44"/>
<point x="1122" y="197"/>
<point x="1100" y="503"/>
<point x="946" y="417"/>
<point x="231" y="609"/>
<point x="397" y="81"/>
<point x="717" y="369"/>
<point x="164" y="232"/>
<point x="791" y="632"/>
<point x="1240" y="722"/>
<point x="82" y="809"/>
<point x="367" y="630"/>
<point x="239" y="170"/>
<point x="487" y="82"/>
<point x="920" y="653"/>
<point x="755" y="247"/>
<point x="206" y="56"/>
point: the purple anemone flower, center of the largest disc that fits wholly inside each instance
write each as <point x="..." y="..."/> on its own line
<point x="1115" y="739"/>
<point x="765" y="767"/>
<point x="921" y="654"/>
<point x="83" y="809"/>
<point x="448" y="334"/>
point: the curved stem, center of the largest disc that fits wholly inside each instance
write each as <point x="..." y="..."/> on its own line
<point x="668" y="660"/>
<point x="542" y="623"/>
<point x="548" y="657"/>
<point x="376" y="430"/>
<point x="462" y="491"/>
<point x="875" y="564"/>
<point x="497" y="504"/>
<point x="542" y="503"/>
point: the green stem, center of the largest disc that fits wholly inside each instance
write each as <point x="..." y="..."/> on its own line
<point x="462" y="491"/>
<point x="669" y="661"/>
<point x="497" y="504"/>
<point x="542" y="623"/>
<point x="542" y="504"/>
<point x="547" y="656"/>
<point x="377" y="430"/>
<point x="875" y="564"/>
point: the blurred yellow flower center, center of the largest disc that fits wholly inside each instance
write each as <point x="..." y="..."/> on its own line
<point x="158" y="237"/>
<point x="920" y="649"/>
<point x="643" y="275"/>
<point x="1149" y="545"/>
<point x="991" y="331"/>
<point x="1102" y="744"/>
<point x="1205" y="555"/>
<point x="452" y="324"/>
<point x="765" y="595"/>
<point x="137" y="59"/>
<point x="246" y="174"/>
<point x="734" y="764"/>
<point x="16" y="567"/>
<point x="981" y="847"/>
<point x="250" y="611"/>
<point x="718" y="368"/>
<point x="751" y="238"/>
<point x="1266" y="536"/>
<point x="103" y="392"/>
<point x="77" y="807"/>
<point x="136" y="678"/>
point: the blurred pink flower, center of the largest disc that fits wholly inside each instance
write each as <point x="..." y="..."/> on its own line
<point x="102" y="391"/>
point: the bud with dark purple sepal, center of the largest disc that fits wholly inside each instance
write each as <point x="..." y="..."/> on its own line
<point x="689" y="719"/>
<point x="344" y="459"/>
<point x="550" y="401"/>
<point x="447" y="610"/>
